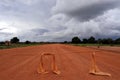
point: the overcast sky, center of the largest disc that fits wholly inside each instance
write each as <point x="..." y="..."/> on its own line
<point x="59" y="20"/>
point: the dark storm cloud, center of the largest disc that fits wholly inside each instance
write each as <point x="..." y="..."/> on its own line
<point x="85" y="10"/>
<point x="91" y="11"/>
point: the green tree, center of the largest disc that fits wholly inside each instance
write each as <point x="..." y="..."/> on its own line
<point x="65" y="42"/>
<point x="91" y="39"/>
<point x="14" y="40"/>
<point x="76" y="40"/>
<point x="85" y="40"/>
<point x="107" y="41"/>
<point x="110" y="41"/>
<point x="27" y="42"/>
<point x="99" y="41"/>
<point x="117" y="41"/>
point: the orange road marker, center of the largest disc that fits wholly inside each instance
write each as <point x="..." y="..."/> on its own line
<point x="41" y="68"/>
<point x="94" y="68"/>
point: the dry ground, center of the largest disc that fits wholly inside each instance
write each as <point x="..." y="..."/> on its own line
<point x="73" y="62"/>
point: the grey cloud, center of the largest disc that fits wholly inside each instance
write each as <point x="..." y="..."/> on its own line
<point x="39" y="31"/>
<point x="60" y="28"/>
<point x="6" y="34"/>
<point x="86" y="12"/>
<point x="28" y="10"/>
<point x="92" y="11"/>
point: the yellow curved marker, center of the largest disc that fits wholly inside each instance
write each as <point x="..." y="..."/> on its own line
<point x="41" y="68"/>
<point x="94" y="68"/>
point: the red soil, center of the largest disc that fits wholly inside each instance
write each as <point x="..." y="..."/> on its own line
<point x="73" y="62"/>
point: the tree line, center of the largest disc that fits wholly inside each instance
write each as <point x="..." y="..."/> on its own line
<point x="92" y="40"/>
<point x="75" y="40"/>
<point x="13" y="40"/>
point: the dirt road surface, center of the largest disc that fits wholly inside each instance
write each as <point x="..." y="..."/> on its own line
<point x="73" y="61"/>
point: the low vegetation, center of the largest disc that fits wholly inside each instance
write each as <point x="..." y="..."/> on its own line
<point x="91" y="41"/>
<point x="18" y="45"/>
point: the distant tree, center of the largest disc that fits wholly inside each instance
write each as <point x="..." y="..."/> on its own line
<point x="14" y="40"/>
<point x="110" y="41"/>
<point x="91" y="40"/>
<point x="27" y="42"/>
<point x="107" y="41"/>
<point x="76" y="40"/>
<point x="2" y="43"/>
<point x="99" y="41"/>
<point x="117" y="41"/>
<point x="104" y="41"/>
<point x="85" y="40"/>
<point x="65" y="42"/>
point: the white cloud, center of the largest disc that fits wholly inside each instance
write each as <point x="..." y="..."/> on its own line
<point x="43" y="20"/>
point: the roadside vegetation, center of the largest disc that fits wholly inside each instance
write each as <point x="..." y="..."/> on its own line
<point x="14" y="43"/>
<point x="18" y="45"/>
<point x="91" y="41"/>
<point x="95" y="42"/>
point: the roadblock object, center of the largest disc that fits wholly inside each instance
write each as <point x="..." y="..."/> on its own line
<point x="94" y="68"/>
<point x="41" y="68"/>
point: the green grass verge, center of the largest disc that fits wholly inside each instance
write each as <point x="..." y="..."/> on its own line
<point x="17" y="45"/>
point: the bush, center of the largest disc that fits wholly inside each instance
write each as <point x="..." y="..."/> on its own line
<point x="14" y="40"/>
<point x="27" y="42"/>
<point x="76" y="40"/>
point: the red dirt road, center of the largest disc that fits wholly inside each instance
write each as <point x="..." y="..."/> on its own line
<point x="73" y="62"/>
